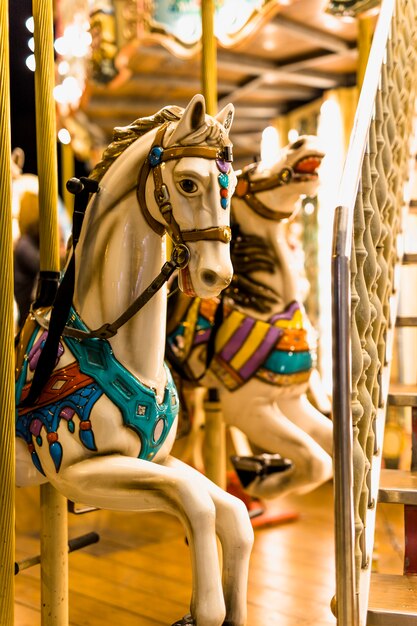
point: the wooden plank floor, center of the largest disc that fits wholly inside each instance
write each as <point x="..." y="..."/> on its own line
<point x="139" y="572"/>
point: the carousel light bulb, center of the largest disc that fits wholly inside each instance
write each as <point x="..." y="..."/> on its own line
<point x="63" y="68"/>
<point x="269" y="147"/>
<point x="30" y="24"/>
<point x="68" y="92"/>
<point x="31" y="44"/>
<point x="309" y="208"/>
<point x="61" y="45"/>
<point x="31" y="63"/>
<point x="64" y="136"/>
<point x="293" y="135"/>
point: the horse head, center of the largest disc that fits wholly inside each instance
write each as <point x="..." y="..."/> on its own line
<point x="272" y="192"/>
<point x="191" y="192"/>
<point x="183" y="182"/>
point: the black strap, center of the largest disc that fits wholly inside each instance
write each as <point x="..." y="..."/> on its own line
<point x="61" y="308"/>
<point x="183" y="369"/>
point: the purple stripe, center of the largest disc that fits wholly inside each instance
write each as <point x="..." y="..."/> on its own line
<point x="261" y="352"/>
<point x="202" y="337"/>
<point x="288" y="314"/>
<point x="237" y="339"/>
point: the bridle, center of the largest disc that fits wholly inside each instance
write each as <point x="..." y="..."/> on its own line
<point x="247" y="189"/>
<point x="158" y="155"/>
<point x="180" y="257"/>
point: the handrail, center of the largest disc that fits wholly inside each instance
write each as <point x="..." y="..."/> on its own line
<point x="364" y="112"/>
<point x="366" y="226"/>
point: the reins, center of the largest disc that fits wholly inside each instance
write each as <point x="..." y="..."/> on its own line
<point x="82" y="188"/>
<point x="247" y="189"/>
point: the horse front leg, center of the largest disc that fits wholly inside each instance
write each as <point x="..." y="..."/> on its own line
<point x="235" y="533"/>
<point x="129" y="484"/>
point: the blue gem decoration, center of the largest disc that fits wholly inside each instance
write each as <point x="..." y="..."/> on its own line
<point x="87" y="439"/>
<point x="55" y="450"/>
<point x="155" y="155"/>
<point x="224" y="202"/>
<point x="36" y="462"/>
<point x="224" y="180"/>
<point x="39" y="440"/>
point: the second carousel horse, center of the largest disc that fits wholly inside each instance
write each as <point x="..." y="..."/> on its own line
<point x="262" y="355"/>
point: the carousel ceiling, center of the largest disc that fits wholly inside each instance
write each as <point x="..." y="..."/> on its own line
<point x="295" y="52"/>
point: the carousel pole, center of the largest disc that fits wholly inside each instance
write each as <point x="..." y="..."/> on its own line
<point x="7" y="469"/>
<point x="54" y="531"/>
<point x="214" y="429"/>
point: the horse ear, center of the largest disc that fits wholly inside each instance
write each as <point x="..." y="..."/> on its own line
<point x="18" y="157"/>
<point x="192" y="118"/>
<point x="225" y="116"/>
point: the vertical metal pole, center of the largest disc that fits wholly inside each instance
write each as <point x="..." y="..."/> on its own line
<point x="54" y="533"/>
<point x="7" y="451"/>
<point x="68" y="171"/>
<point x="365" y="32"/>
<point x="209" y="56"/>
<point x="346" y="609"/>
<point x="215" y="436"/>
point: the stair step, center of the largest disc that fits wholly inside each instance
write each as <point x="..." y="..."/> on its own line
<point x="402" y="321"/>
<point x="392" y="601"/>
<point x="409" y="258"/>
<point x="398" y="487"/>
<point x="402" y="395"/>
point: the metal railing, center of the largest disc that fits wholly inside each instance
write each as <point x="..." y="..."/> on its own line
<point x="366" y="253"/>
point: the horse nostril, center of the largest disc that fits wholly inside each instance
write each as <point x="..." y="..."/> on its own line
<point x="209" y="277"/>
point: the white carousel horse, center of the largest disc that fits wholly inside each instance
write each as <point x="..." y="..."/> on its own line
<point x="262" y="355"/>
<point x="101" y="429"/>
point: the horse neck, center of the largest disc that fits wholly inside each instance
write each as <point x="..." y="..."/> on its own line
<point x="282" y="279"/>
<point x="117" y="257"/>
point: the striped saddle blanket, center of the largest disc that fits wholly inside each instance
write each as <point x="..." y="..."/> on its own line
<point x="276" y="351"/>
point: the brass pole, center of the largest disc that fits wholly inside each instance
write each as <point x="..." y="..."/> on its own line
<point x="7" y="450"/>
<point x="214" y="429"/>
<point x="68" y="171"/>
<point x="209" y="57"/>
<point x="54" y="531"/>
<point x="46" y="148"/>
<point x="365" y="33"/>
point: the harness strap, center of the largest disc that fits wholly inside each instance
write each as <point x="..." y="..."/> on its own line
<point x="246" y="190"/>
<point x="63" y="299"/>
<point x="157" y="156"/>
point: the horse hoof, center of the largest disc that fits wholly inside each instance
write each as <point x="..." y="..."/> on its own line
<point x="260" y="466"/>
<point x="187" y="620"/>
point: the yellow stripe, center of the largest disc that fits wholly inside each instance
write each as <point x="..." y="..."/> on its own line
<point x="295" y="322"/>
<point x="251" y="344"/>
<point x="228" y="328"/>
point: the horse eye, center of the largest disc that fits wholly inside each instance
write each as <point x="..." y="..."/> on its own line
<point x="188" y="185"/>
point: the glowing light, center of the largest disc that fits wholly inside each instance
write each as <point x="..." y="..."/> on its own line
<point x="61" y="45"/>
<point x="63" y="68"/>
<point x="330" y="132"/>
<point x="30" y="24"/>
<point x="293" y="135"/>
<point x="190" y="29"/>
<point x="64" y="136"/>
<point x="31" y="44"/>
<point x="269" y="147"/>
<point x="228" y="20"/>
<point x="69" y="92"/>
<point x="31" y="63"/>
<point x="309" y="208"/>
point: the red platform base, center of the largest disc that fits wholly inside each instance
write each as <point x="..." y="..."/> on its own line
<point x="258" y="510"/>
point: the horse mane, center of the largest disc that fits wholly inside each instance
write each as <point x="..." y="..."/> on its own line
<point x="124" y="136"/>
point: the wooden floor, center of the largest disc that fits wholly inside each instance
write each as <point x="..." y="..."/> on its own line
<point x="139" y="573"/>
